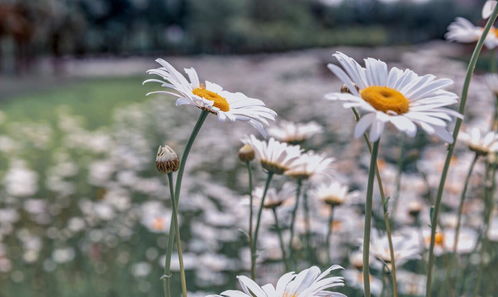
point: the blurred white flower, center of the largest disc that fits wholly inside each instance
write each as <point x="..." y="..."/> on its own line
<point x="308" y="165"/>
<point x="294" y="133"/>
<point x="463" y="31"/>
<point x="20" y="181"/>
<point x="479" y="142"/>
<point x="488" y="8"/>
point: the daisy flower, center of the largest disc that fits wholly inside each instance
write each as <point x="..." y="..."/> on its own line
<point x="333" y="194"/>
<point x="488" y="8"/>
<point x="307" y="283"/>
<point x="210" y="96"/>
<point x="463" y="31"/>
<point x="276" y="157"/>
<point x="400" y="97"/>
<point x="480" y="143"/>
<point x="275" y="198"/>
<point x="294" y="133"/>
<point x="405" y="248"/>
<point x="308" y="165"/>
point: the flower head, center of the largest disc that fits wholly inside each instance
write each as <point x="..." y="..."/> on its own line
<point x="308" y="165"/>
<point x="276" y="157"/>
<point x="405" y="248"/>
<point x="463" y="31"/>
<point x="400" y="97"/>
<point x="333" y="194"/>
<point x="480" y="143"/>
<point x="167" y="160"/>
<point x="294" y="133"/>
<point x="275" y="198"/>
<point x="307" y="283"/>
<point x="211" y="97"/>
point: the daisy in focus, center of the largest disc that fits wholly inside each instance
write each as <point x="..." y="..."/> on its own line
<point x="478" y="142"/>
<point x="400" y="97"/>
<point x="276" y="157"/>
<point x="210" y="97"/>
<point x="294" y="133"/>
<point x="307" y="283"/>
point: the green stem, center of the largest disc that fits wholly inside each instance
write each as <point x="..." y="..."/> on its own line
<point x="177" y="237"/>
<point x="387" y="222"/>
<point x="251" y="200"/>
<point x="489" y="205"/>
<point x="307" y="226"/>
<point x="397" y="191"/>
<point x="329" y="235"/>
<point x="368" y="219"/>
<point x="461" y="203"/>
<point x="454" y="263"/>
<point x="461" y="109"/>
<point x="258" y="220"/>
<point x="171" y="238"/>
<point x="280" y="239"/>
<point x="293" y="217"/>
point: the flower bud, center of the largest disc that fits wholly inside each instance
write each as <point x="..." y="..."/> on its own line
<point x="246" y="153"/>
<point x="166" y="160"/>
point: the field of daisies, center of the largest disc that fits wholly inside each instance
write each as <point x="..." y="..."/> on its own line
<point x="331" y="172"/>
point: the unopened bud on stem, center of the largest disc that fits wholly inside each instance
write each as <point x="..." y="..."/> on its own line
<point x="167" y="160"/>
<point x="246" y="153"/>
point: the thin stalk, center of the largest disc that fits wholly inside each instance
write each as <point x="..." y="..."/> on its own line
<point x="397" y="190"/>
<point x="174" y="208"/>
<point x="368" y="219"/>
<point x="307" y="226"/>
<point x="461" y="109"/>
<point x="171" y="238"/>
<point x="329" y="234"/>
<point x="258" y="220"/>
<point x="251" y="200"/>
<point x="280" y="239"/>
<point x="454" y="263"/>
<point x="489" y="205"/>
<point x="462" y="200"/>
<point x="387" y="222"/>
<point x="293" y="216"/>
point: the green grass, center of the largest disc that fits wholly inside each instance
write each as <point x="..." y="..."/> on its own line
<point x="93" y="100"/>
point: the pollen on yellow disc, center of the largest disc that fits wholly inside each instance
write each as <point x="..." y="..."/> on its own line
<point x="385" y="99"/>
<point x="218" y="100"/>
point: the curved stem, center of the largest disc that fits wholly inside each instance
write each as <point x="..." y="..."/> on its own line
<point x="280" y="239"/>
<point x="461" y="109"/>
<point x="258" y="220"/>
<point x="251" y="200"/>
<point x="174" y="208"/>
<point x="329" y="234"/>
<point x="293" y="217"/>
<point x="387" y="222"/>
<point x="171" y="238"/>
<point x="368" y="219"/>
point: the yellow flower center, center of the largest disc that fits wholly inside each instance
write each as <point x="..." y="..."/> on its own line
<point x="385" y="99"/>
<point x="219" y="101"/>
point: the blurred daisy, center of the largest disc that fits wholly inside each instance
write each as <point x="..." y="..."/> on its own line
<point x="308" y="283"/>
<point x="491" y="80"/>
<point x="294" y="133"/>
<point x="276" y="157"/>
<point x="275" y="198"/>
<point x="480" y="143"/>
<point x="210" y="96"/>
<point x="488" y="8"/>
<point x="402" y="98"/>
<point x="333" y="194"/>
<point x="405" y="248"/>
<point x="463" y="31"/>
<point x="308" y="165"/>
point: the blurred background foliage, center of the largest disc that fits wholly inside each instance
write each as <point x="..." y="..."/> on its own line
<point x="59" y="28"/>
